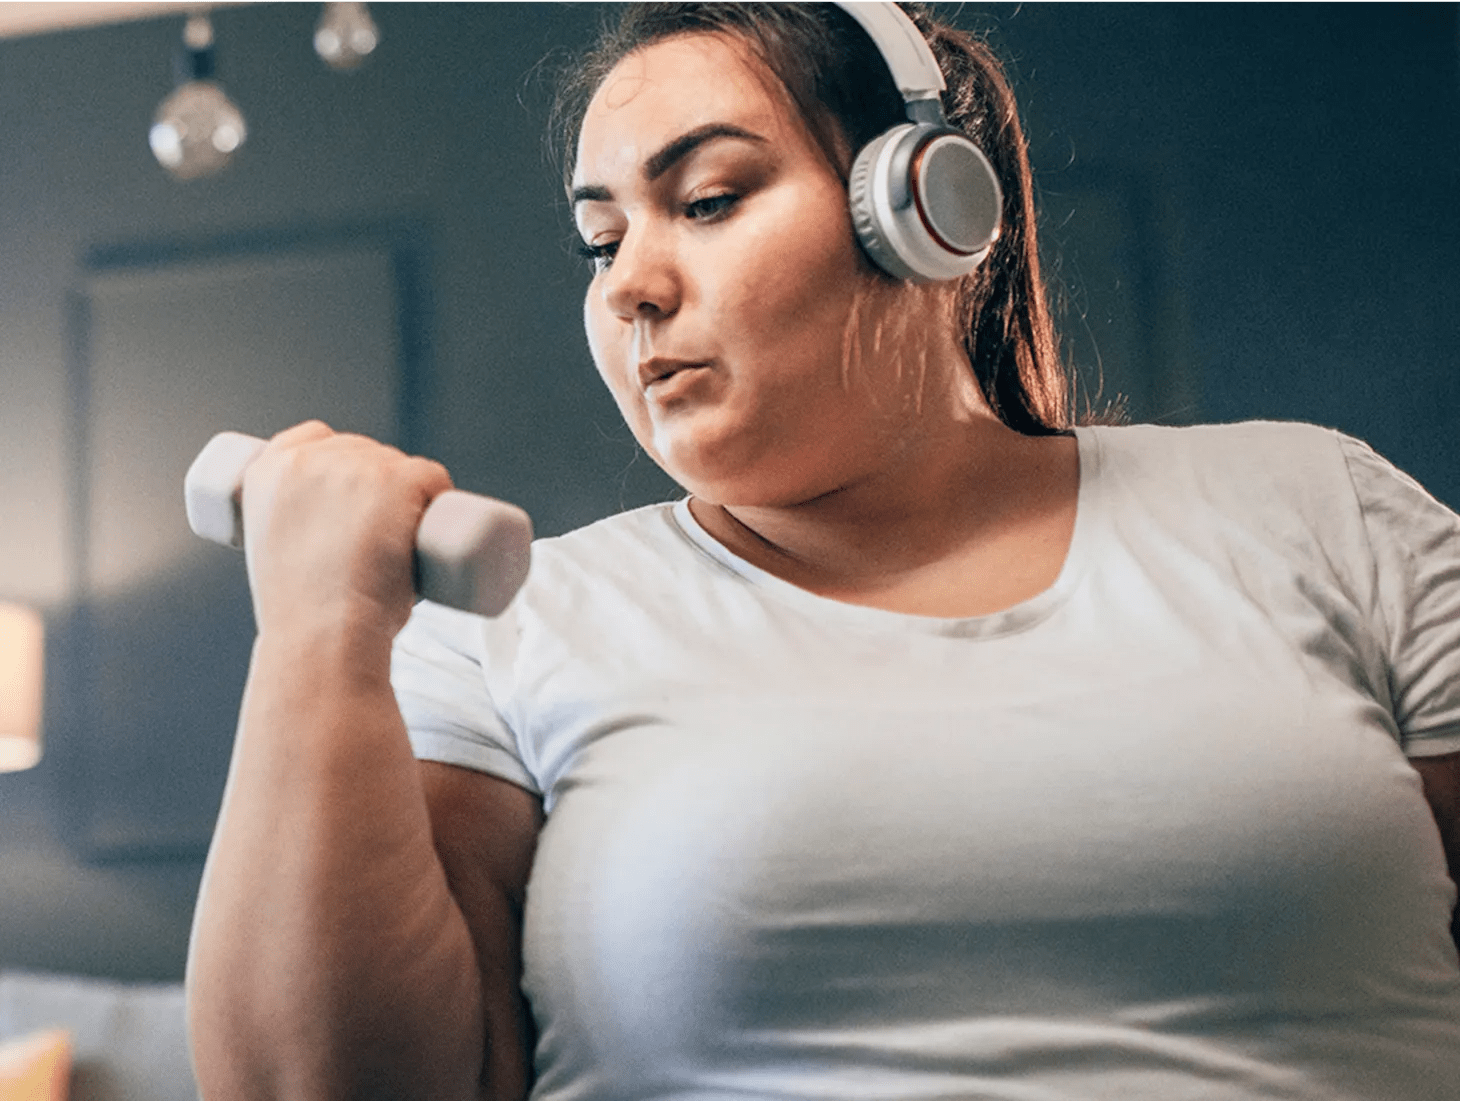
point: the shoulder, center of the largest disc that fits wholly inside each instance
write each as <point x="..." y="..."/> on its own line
<point x="586" y="590"/>
<point x="635" y="527"/>
<point x="615" y="571"/>
<point x="1263" y="494"/>
<point x="1248" y="468"/>
<point x="567" y="574"/>
<point x="617" y="548"/>
<point x="1282" y="450"/>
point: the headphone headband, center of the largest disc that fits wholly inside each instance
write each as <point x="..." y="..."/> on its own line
<point x="925" y="201"/>
<point x="907" y="53"/>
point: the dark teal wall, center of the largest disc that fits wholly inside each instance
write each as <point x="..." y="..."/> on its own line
<point x="1309" y="156"/>
<point x="1253" y="215"/>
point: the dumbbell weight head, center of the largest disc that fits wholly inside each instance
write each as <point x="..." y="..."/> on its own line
<point x="472" y="552"/>
<point x="213" y="487"/>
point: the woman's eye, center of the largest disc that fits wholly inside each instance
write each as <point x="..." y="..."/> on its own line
<point x="711" y="206"/>
<point x="599" y="257"/>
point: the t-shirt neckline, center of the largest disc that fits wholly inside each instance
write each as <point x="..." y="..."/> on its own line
<point x="1019" y="617"/>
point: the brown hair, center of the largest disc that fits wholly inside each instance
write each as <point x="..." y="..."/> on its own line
<point x="839" y="82"/>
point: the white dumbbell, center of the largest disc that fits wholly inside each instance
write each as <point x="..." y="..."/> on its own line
<point x="472" y="552"/>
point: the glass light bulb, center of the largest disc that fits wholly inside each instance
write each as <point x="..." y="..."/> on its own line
<point x="196" y="130"/>
<point x="346" y="35"/>
<point x="198" y="32"/>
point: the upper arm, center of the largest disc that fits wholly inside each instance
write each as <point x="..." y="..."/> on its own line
<point x="1441" y="778"/>
<point x="485" y="830"/>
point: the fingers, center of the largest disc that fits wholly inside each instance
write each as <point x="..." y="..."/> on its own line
<point x="302" y="449"/>
<point x="330" y="525"/>
<point x="431" y="476"/>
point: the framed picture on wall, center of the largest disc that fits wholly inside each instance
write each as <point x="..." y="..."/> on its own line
<point x="172" y="343"/>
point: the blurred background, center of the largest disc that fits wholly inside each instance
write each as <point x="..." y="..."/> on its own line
<point x="1248" y="211"/>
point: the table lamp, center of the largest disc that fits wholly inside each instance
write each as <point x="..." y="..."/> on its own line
<point x="21" y="670"/>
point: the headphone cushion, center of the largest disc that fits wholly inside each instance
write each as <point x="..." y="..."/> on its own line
<point x="863" y="207"/>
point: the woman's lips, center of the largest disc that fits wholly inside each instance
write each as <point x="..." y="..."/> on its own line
<point x="661" y="376"/>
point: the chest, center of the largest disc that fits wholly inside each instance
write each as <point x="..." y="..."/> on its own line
<point x="713" y="802"/>
<point x="1169" y="789"/>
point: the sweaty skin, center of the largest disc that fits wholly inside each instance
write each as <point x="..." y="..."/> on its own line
<point x="824" y="417"/>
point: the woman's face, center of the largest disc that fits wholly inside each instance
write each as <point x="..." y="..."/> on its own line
<point x="730" y="304"/>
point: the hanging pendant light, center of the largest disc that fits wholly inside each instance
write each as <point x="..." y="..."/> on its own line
<point x="197" y="128"/>
<point x="346" y="35"/>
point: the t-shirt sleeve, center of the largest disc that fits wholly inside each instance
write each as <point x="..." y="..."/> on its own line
<point x="441" y="687"/>
<point x="1415" y="543"/>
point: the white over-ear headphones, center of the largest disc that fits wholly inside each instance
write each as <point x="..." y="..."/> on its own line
<point x="925" y="201"/>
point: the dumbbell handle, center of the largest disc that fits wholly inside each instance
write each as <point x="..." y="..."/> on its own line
<point x="472" y="552"/>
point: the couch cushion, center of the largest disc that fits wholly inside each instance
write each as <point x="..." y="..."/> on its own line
<point x="36" y="1067"/>
<point x="129" y="1039"/>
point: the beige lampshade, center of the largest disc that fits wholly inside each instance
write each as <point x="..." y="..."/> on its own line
<point x="21" y="673"/>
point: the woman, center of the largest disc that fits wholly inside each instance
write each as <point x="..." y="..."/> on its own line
<point x="929" y="748"/>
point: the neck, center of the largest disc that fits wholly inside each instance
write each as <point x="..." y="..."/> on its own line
<point x="964" y="486"/>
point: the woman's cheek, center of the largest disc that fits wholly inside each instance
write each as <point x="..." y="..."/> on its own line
<point x="606" y="344"/>
<point x="807" y="282"/>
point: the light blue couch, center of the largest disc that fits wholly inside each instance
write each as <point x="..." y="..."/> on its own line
<point x="130" y="1039"/>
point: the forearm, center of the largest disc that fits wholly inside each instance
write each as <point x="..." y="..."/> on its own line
<point x="329" y="958"/>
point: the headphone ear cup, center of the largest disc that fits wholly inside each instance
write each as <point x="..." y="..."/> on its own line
<point x="959" y="201"/>
<point x="925" y="202"/>
<point x="865" y="219"/>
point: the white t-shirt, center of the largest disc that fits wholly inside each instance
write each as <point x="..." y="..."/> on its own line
<point x="1148" y="836"/>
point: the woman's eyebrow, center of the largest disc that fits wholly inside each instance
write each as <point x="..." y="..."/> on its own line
<point x="682" y="146"/>
<point x="665" y="158"/>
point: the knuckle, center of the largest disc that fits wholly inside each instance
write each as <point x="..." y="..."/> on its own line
<point x="432" y="472"/>
<point x="304" y="431"/>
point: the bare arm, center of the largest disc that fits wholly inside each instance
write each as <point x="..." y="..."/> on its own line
<point x="1441" y="778"/>
<point x="486" y="831"/>
<point x="330" y="957"/>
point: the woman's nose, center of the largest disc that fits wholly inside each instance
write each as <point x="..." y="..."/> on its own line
<point x="643" y="277"/>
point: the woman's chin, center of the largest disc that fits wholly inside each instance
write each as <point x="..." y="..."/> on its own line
<point x="744" y="488"/>
<point x="722" y="460"/>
